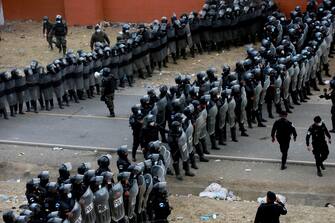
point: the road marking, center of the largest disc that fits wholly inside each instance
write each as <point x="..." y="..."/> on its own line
<point x="79" y="116"/>
<point x="114" y="150"/>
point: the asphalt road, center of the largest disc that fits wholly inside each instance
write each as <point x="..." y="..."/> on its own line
<point x="87" y="124"/>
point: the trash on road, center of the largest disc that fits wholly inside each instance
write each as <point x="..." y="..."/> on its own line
<point x="57" y="148"/>
<point x="216" y="191"/>
<point x="20" y="154"/>
<point x="208" y="217"/>
<point x="247" y="170"/>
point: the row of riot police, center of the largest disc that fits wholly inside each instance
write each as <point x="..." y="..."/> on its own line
<point x="192" y="116"/>
<point x="138" y="193"/>
<point x="217" y="25"/>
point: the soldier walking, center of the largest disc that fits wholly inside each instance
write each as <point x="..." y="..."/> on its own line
<point x="318" y="131"/>
<point x="47" y="26"/>
<point x="99" y="36"/>
<point x="283" y="129"/>
<point x="59" y="30"/>
<point x="107" y="90"/>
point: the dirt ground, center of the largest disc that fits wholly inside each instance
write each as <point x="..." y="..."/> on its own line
<point x="189" y="209"/>
<point x="22" y="42"/>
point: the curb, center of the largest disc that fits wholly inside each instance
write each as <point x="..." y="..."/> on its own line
<point x="114" y="150"/>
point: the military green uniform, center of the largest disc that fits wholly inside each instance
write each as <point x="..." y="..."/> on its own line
<point x="59" y="30"/>
<point x="99" y="37"/>
<point x="107" y="93"/>
<point x="47" y="27"/>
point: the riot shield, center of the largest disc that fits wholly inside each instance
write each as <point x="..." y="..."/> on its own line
<point x="116" y="202"/>
<point x="101" y="206"/>
<point x="75" y="216"/>
<point x="87" y="206"/>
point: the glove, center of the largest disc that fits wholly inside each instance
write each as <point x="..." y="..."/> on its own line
<point x="102" y="98"/>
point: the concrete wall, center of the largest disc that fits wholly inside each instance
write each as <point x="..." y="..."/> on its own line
<point x="2" y="20"/>
<point x="85" y="12"/>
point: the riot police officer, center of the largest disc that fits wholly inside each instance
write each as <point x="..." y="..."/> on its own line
<point x="136" y="123"/>
<point x="59" y="30"/>
<point x="283" y="129"/>
<point x="318" y="131"/>
<point x="331" y="96"/>
<point x="122" y="163"/>
<point x="107" y="90"/>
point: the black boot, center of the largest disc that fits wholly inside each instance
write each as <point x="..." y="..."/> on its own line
<point x="164" y="63"/>
<point x="193" y="162"/>
<point x="12" y="113"/>
<point x="204" y="146"/>
<point x="74" y="95"/>
<point x="21" y="109"/>
<point x="15" y="109"/>
<point x="294" y="96"/>
<point x="174" y="58"/>
<point x="314" y="85"/>
<point x="287" y="107"/>
<point x="326" y="69"/>
<point x="51" y="104"/>
<point x="4" y="112"/>
<point x="141" y="74"/>
<point x="34" y="105"/>
<point x="92" y="91"/>
<point x="97" y="87"/>
<point x="259" y="119"/>
<point x="213" y="142"/>
<point x="88" y="93"/>
<point x="222" y="136"/>
<point x="28" y="106"/>
<point x="233" y="134"/>
<point x="80" y="94"/>
<point x="149" y="71"/>
<point x="47" y="105"/>
<point x="66" y="100"/>
<point x="60" y="104"/>
<point x="278" y="108"/>
<point x="186" y="167"/>
<point x="269" y="108"/>
<point x="130" y="81"/>
<point x="301" y="95"/>
<point x="177" y="171"/>
<point x="40" y="100"/>
<point x="200" y="152"/>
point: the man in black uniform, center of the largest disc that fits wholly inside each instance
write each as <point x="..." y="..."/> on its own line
<point x="47" y="26"/>
<point x="122" y="163"/>
<point x="136" y="123"/>
<point x="59" y="30"/>
<point x="270" y="211"/>
<point x="331" y="97"/>
<point x="108" y="89"/>
<point x="318" y="131"/>
<point x="283" y="129"/>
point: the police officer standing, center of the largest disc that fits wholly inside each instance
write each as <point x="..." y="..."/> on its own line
<point x="318" y="131"/>
<point x="283" y="129"/>
<point x="47" y="26"/>
<point x="99" y="36"/>
<point x="331" y="96"/>
<point x="107" y="90"/>
<point x="59" y="30"/>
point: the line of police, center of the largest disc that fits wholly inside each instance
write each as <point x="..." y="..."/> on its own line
<point x="293" y="54"/>
<point x="219" y="24"/>
<point x="92" y="196"/>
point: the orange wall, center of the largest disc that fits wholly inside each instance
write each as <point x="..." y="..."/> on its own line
<point x="147" y="10"/>
<point x="32" y="9"/>
<point x="87" y="12"/>
<point x="83" y="12"/>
